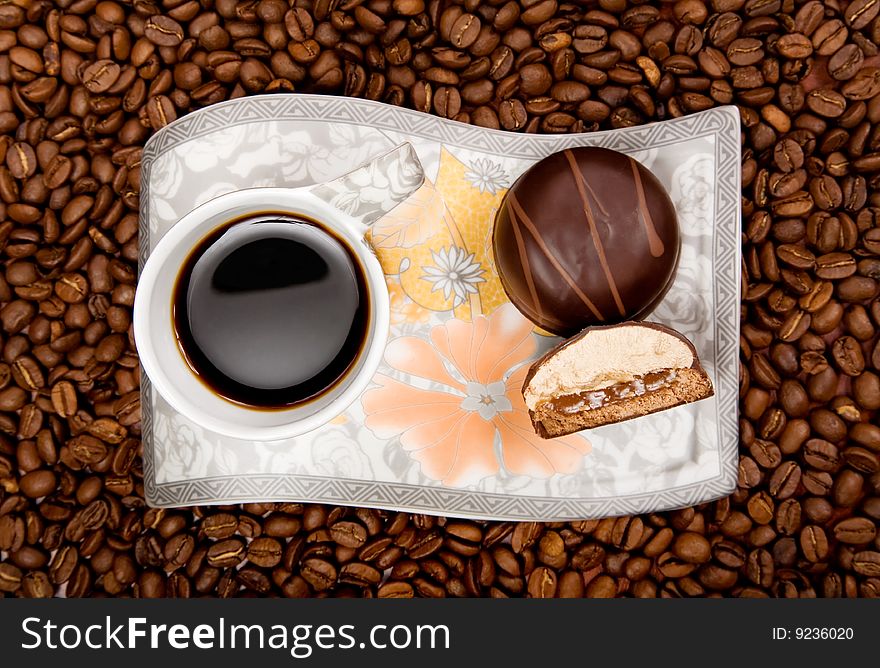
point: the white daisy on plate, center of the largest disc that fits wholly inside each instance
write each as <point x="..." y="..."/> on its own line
<point x="486" y="176"/>
<point x="455" y="272"/>
<point x="487" y="400"/>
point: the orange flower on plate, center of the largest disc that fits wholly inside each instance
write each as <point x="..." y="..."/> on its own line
<point x="465" y="418"/>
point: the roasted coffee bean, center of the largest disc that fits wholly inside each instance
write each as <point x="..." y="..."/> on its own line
<point x="860" y="13"/>
<point x="10" y="578"/>
<point x="512" y="114"/>
<point x="319" y="573"/>
<point x="280" y="525"/>
<point x="855" y="531"/>
<point x="38" y="483"/>
<point x="863" y="86"/>
<point x="866" y="390"/>
<point x="821" y="455"/>
<point x="393" y="589"/>
<point x="359" y="575"/>
<point x="866" y="563"/>
<point x="788" y="517"/>
<point x="86" y="87"/>
<point x="760" y="568"/>
<point x="785" y="480"/>
<point x="160" y="111"/>
<point x="178" y="550"/>
<point x="464" y="31"/>
<point x="761" y="508"/>
<point x="100" y="76"/>
<point x="447" y="102"/>
<point x="826" y="102"/>
<point x="425" y="545"/>
<point x="64" y="398"/>
<point x="570" y="585"/>
<point x="814" y="543"/>
<point x="847" y="488"/>
<point x="349" y="534"/>
<point x="848" y="355"/>
<point x="835" y="266"/>
<point x="524" y="536"/>
<point x="795" y="256"/>
<point x="220" y="525"/>
<point x="225" y="553"/>
<point x="861" y="460"/>
<point x="163" y="31"/>
<point x="766" y="453"/>
<point x="717" y="578"/>
<point x="602" y="587"/>
<point x="846" y="62"/>
<point x="692" y="548"/>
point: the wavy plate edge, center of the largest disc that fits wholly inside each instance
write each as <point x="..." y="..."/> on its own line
<point x="722" y="122"/>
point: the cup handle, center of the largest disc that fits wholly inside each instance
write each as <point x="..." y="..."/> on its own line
<point x="373" y="189"/>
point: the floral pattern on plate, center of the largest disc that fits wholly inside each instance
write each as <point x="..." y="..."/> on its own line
<point x="468" y="420"/>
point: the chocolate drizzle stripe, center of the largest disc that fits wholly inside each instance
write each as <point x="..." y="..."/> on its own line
<point x="594" y="232"/>
<point x="598" y="203"/>
<point x="655" y="243"/>
<point x="524" y="260"/>
<point x="530" y="226"/>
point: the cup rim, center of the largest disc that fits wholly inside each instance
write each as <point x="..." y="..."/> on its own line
<point x="356" y="379"/>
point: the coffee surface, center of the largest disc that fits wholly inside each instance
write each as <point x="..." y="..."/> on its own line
<point x="271" y="312"/>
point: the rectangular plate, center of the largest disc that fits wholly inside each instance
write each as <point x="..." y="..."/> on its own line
<point x="444" y="430"/>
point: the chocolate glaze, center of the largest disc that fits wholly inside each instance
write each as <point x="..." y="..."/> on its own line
<point x="586" y="236"/>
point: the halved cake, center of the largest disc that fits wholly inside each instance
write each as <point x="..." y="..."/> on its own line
<point x="610" y="374"/>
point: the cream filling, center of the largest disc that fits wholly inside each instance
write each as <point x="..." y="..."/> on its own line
<point x="606" y="357"/>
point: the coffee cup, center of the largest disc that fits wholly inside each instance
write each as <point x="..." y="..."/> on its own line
<point x="335" y="215"/>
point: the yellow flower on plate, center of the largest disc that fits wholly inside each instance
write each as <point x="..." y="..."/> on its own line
<point x="439" y="242"/>
<point x="406" y="239"/>
<point x="473" y="192"/>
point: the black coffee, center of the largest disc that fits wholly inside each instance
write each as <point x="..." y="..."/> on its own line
<point x="271" y="312"/>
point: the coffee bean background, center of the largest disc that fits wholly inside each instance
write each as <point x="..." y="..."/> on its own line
<point x="83" y="83"/>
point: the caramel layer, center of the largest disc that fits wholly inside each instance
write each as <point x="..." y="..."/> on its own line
<point x="592" y="399"/>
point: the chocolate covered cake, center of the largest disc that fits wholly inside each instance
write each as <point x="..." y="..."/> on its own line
<point x="610" y="374"/>
<point x="587" y="236"/>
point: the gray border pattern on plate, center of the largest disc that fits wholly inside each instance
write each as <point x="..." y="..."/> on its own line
<point x="722" y="122"/>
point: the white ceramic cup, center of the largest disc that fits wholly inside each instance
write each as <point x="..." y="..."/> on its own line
<point x="346" y="206"/>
